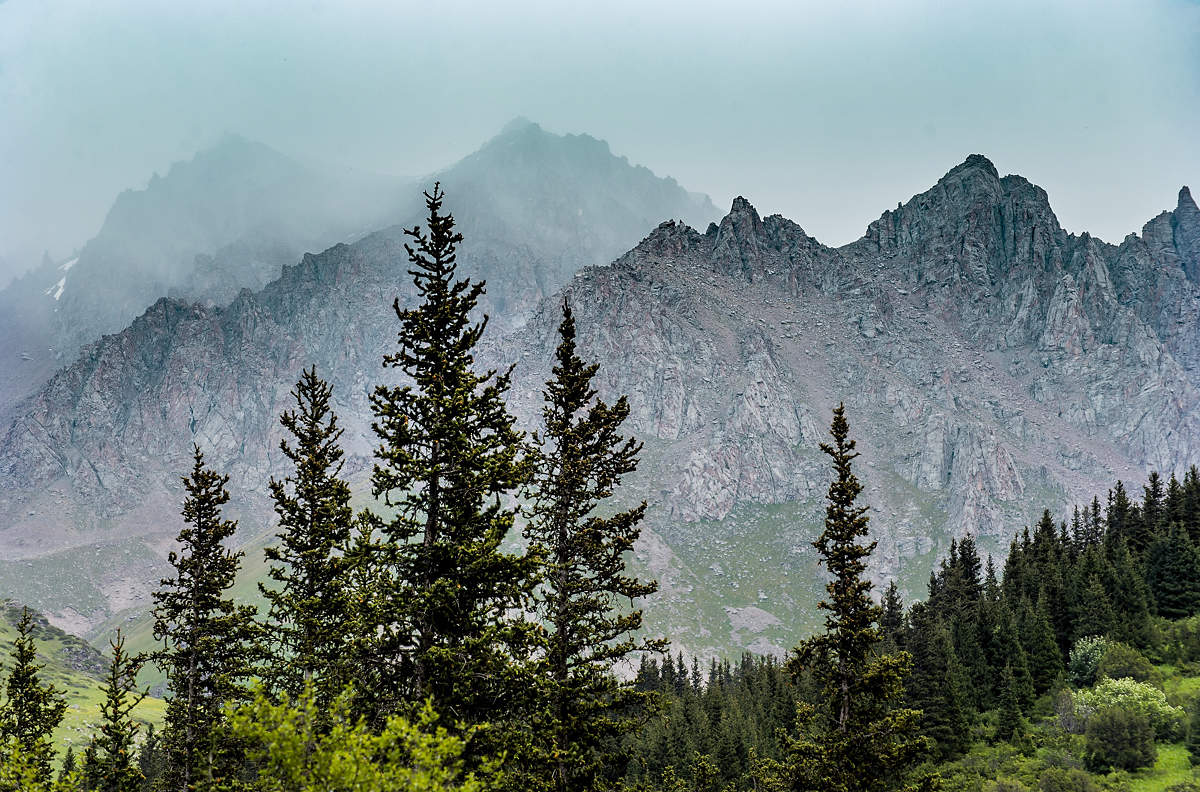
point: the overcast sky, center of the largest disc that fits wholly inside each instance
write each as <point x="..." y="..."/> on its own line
<point x="828" y="113"/>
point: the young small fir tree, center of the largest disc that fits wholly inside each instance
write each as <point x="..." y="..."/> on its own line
<point x="111" y="764"/>
<point x="32" y="709"/>
<point x="209" y="641"/>
<point x="310" y="615"/>
<point x="578" y="460"/>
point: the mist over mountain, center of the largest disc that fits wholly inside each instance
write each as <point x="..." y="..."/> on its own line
<point x="992" y="364"/>
<point x="91" y="457"/>
<point x="228" y="219"/>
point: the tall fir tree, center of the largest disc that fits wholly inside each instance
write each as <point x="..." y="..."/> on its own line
<point x="32" y="707"/>
<point x="112" y="765"/>
<point x="579" y="458"/>
<point x="1009" y="723"/>
<point x="448" y="455"/>
<point x="858" y="737"/>
<point x="208" y="640"/>
<point x="891" y="618"/>
<point x="1037" y="637"/>
<point x="310" y="617"/>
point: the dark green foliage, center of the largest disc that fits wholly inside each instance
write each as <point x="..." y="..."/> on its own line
<point x="1193" y="733"/>
<point x="734" y="717"/>
<point x="448" y="453"/>
<point x="1009" y="723"/>
<point x="1041" y="648"/>
<point x="69" y="765"/>
<point x="309" y="614"/>
<point x="578" y="460"/>
<point x="207" y="638"/>
<point x="856" y="737"/>
<point x="1173" y="574"/>
<point x="1121" y="661"/>
<point x="111" y="766"/>
<point x="151" y="759"/>
<point x="31" y="708"/>
<point x="1094" y="615"/>
<point x="936" y="685"/>
<point x="1119" y="739"/>
<point x="891" y="619"/>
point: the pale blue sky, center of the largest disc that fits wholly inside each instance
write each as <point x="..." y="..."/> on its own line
<point x="827" y="113"/>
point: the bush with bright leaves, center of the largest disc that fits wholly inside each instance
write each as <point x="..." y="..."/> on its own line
<point x="20" y="772"/>
<point x="1130" y="696"/>
<point x="300" y="748"/>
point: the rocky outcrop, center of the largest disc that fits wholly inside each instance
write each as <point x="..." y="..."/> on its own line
<point x="992" y="365"/>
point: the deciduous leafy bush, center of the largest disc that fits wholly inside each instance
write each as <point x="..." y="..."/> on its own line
<point x="1084" y="662"/>
<point x="298" y="747"/>
<point x="1130" y="696"/>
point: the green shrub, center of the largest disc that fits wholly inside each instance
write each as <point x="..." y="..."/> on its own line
<point x="1061" y="779"/>
<point x="1131" y="696"/>
<point x="292" y="753"/>
<point x="1084" y="661"/>
<point x="1119" y="739"/>
<point x="1122" y="661"/>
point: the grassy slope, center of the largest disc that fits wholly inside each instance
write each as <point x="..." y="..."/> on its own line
<point x="76" y="669"/>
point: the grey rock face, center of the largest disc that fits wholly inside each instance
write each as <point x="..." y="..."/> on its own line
<point x="992" y="365"/>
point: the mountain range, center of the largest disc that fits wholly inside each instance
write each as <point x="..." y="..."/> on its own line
<point x="992" y="365"/>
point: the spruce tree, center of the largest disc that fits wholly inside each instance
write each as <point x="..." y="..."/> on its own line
<point x="1009" y="723"/>
<point x="448" y="454"/>
<point x="857" y="737"/>
<point x="69" y="765"/>
<point x="1094" y="613"/>
<point x="1173" y="574"/>
<point x="208" y="640"/>
<point x="309" y="617"/>
<point x="891" y="619"/>
<point x="32" y="709"/>
<point x="151" y="759"/>
<point x="578" y="460"/>
<point x="1045" y="659"/>
<point x="111" y="765"/>
<point x="936" y="685"/>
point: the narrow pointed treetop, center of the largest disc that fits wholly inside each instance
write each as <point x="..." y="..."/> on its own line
<point x="586" y="597"/>
<point x="309" y="609"/>
<point x="32" y="708"/>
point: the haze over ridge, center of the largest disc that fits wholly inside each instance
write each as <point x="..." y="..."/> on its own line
<point x="822" y="115"/>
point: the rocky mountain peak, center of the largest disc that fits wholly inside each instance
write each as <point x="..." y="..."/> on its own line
<point x="1187" y="234"/>
<point x="740" y="239"/>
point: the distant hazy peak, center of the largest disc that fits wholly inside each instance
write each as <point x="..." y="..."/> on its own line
<point x="518" y="124"/>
